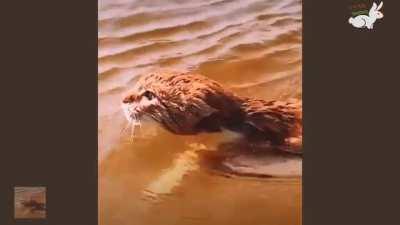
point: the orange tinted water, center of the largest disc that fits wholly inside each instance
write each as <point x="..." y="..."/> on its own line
<point x="250" y="46"/>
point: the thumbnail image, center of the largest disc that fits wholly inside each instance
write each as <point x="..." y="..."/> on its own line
<point x="29" y="202"/>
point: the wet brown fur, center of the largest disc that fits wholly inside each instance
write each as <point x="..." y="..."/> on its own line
<point x="192" y="103"/>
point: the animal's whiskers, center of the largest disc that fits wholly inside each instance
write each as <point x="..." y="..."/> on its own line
<point x="133" y="121"/>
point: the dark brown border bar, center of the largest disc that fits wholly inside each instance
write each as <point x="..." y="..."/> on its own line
<point x="48" y="98"/>
<point x="351" y="117"/>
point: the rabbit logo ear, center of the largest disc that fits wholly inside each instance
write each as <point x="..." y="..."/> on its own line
<point x="374" y="7"/>
<point x="379" y="6"/>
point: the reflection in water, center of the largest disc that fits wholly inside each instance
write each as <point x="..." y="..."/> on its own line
<point x="250" y="46"/>
<point x="240" y="158"/>
<point x="172" y="177"/>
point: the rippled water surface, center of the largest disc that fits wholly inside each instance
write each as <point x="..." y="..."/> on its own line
<point x="250" y="46"/>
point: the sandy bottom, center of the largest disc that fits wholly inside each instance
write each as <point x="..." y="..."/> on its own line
<point x="177" y="180"/>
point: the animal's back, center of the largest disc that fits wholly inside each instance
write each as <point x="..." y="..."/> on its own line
<point x="279" y="122"/>
<point x="359" y="21"/>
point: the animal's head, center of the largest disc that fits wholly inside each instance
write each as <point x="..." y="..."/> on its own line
<point x="143" y="101"/>
<point x="374" y="11"/>
<point x="175" y="100"/>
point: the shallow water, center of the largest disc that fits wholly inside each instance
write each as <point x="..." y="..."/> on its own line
<point x="250" y="46"/>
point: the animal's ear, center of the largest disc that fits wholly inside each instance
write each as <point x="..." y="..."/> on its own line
<point x="373" y="8"/>
<point x="380" y="6"/>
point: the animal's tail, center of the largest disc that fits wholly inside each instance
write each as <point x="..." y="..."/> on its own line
<point x="279" y="121"/>
<point x="351" y="20"/>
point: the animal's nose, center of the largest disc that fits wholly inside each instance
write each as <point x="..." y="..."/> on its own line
<point x="129" y="99"/>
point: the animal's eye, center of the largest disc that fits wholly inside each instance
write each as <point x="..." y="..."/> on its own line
<point x="149" y="95"/>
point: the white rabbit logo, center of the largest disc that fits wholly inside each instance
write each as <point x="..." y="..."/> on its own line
<point x="362" y="21"/>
